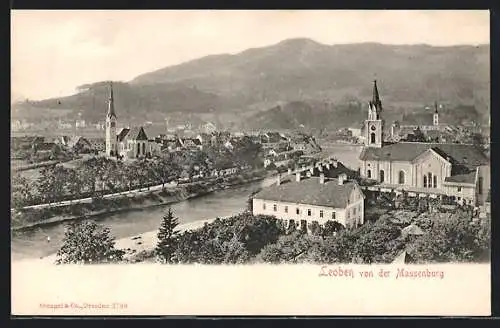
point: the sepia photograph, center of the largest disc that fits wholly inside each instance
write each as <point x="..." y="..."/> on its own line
<point x="266" y="153"/>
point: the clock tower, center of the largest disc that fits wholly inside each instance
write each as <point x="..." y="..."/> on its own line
<point x="374" y="125"/>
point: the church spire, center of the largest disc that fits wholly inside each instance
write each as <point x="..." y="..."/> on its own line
<point x="111" y="102"/>
<point x="435" y="107"/>
<point x="376" y="97"/>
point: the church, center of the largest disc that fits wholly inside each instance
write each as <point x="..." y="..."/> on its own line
<point x="459" y="171"/>
<point x="128" y="143"/>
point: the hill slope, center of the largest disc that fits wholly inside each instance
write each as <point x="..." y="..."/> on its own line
<point x="300" y="70"/>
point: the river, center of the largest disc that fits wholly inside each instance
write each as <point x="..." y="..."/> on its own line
<point x="33" y="243"/>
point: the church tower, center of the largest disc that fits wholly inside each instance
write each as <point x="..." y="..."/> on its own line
<point x="111" y="148"/>
<point x="435" y="117"/>
<point x="374" y="125"/>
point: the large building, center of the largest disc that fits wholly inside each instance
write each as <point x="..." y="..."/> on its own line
<point x="456" y="170"/>
<point x="129" y="142"/>
<point x="307" y="199"/>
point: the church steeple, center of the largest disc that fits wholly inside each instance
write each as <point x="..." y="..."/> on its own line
<point x="374" y="125"/>
<point x="111" y="144"/>
<point x="435" y="117"/>
<point x="111" y="102"/>
<point x="376" y="97"/>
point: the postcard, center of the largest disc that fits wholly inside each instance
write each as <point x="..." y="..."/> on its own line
<point x="284" y="162"/>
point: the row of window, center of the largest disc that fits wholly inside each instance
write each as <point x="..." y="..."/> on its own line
<point x="430" y="181"/>
<point x="354" y="210"/>
<point x="297" y="211"/>
<point x="401" y="176"/>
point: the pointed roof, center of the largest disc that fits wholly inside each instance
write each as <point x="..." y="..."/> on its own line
<point x="435" y="107"/>
<point x="138" y="133"/>
<point x="134" y="133"/>
<point x="376" y="96"/>
<point x="111" y="102"/>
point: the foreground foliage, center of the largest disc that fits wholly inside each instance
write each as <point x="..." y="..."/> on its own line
<point x="87" y="243"/>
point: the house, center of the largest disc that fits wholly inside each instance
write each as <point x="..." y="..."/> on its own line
<point x="192" y="143"/>
<point x="62" y="140"/>
<point x="97" y="144"/>
<point x="423" y="169"/>
<point x="273" y="137"/>
<point x="355" y="131"/>
<point x="79" y="144"/>
<point x="309" y="199"/>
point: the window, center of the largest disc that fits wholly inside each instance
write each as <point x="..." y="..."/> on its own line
<point x="309" y="212"/>
<point x="372" y="137"/>
<point x="480" y="185"/>
<point x="113" y="124"/>
<point x="297" y="211"/>
<point x="435" y="181"/>
<point x="401" y="178"/>
<point x="144" y="148"/>
<point x="425" y="181"/>
<point x="354" y="211"/>
<point x="348" y="213"/>
<point x="275" y="207"/>
<point x="429" y="179"/>
<point x="286" y="209"/>
<point x="382" y="176"/>
<point x="263" y="206"/>
<point x="321" y="213"/>
<point x="369" y="173"/>
<point x="333" y="215"/>
<point x="459" y="189"/>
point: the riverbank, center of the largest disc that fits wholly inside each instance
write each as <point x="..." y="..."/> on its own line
<point x="141" y="243"/>
<point x="148" y="199"/>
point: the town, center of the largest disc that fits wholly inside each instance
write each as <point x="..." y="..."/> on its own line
<point x="407" y="175"/>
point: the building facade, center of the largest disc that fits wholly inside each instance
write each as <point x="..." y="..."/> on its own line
<point x="305" y="200"/>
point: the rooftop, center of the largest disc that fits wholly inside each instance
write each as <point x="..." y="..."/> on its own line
<point x="468" y="155"/>
<point x="309" y="191"/>
<point x="462" y="178"/>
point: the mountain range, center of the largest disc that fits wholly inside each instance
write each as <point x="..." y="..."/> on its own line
<point x="306" y="80"/>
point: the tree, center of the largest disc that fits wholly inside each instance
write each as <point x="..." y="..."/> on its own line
<point x="452" y="239"/>
<point x="22" y="192"/>
<point x="88" y="243"/>
<point x="167" y="237"/>
<point x="331" y="227"/>
<point x="378" y="242"/>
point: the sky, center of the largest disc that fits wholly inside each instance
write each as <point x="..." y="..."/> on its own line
<point x="53" y="52"/>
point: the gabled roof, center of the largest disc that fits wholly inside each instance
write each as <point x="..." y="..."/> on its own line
<point x="468" y="155"/>
<point x="122" y="134"/>
<point x="309" y="191"/>
<point x="74" y="140"/>
<point x="135" y="133"/>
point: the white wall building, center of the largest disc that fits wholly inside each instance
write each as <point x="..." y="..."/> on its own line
<point x="309" y="199"/>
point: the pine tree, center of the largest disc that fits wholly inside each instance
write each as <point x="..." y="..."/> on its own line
<point x="167" y="237"/>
